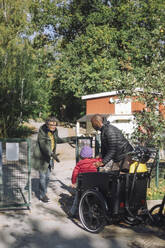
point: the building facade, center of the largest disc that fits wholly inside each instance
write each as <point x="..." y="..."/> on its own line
<point x="119" y="113"/>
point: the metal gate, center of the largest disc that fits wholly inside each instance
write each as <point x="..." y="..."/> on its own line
<point x="15" y="174"/>
<point x="80" y="142"/>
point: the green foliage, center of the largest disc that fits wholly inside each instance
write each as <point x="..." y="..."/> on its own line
<point x="21" y="132"/>
<point x="113" y="46"/>
<point x="151" y="81"/>
<point x="23" y="87"/>
<point x="156" y="193"/>
<point x="52" y="52"/>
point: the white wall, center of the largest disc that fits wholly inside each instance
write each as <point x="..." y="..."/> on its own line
<point x="125" y="123"/>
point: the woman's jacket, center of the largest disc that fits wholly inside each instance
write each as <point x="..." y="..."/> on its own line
<point x="43" y="151"/>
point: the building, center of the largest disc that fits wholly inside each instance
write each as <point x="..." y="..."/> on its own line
<point x="119" y="113"/>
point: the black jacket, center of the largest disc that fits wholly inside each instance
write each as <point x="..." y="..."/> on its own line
<point x="113" y="144"/>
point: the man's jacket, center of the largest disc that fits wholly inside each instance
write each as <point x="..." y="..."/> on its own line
<point x="113" y="144"/>
<point x="43" y="150"/>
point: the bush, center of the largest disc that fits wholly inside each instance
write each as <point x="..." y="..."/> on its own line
<point x="21" y="132"/>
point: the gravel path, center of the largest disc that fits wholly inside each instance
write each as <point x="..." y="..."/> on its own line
<point x="48" y="225"/>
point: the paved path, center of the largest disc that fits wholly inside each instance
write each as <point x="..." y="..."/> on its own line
<point x="48" y="225"/>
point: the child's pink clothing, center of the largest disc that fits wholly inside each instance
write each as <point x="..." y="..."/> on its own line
<point x="84" y="165"/>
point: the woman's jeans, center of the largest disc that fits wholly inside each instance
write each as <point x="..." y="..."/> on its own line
<point x="43" y="183"/>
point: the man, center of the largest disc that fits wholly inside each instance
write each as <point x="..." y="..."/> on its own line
<point x="45" y="153"/>
<point x="114" y="145"/>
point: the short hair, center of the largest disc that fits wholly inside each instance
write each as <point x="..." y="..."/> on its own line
<point x="96" y="117"/>
<point x="51" y="119"/>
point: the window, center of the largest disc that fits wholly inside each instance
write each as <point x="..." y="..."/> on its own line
<point x="122" y="108"/>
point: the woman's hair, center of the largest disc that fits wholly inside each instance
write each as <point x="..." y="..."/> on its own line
<point x="51" y="119"/>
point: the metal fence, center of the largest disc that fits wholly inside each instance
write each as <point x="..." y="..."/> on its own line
<point x="158" y="173"/>
<point x="15" y="174"/>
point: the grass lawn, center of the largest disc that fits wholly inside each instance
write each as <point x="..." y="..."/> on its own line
<point x="154" y="193"/>
<point x="157" y="193"/>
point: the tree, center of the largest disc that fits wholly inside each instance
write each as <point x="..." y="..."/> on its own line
<point x="55" y="51"/>
<point x="117" y="46"/>
<point x="152" y="94"/>
<point x="22" y="85"/>
<point x="101" y="43"/>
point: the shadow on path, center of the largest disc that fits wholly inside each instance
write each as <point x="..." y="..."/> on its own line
<point x="56" y="239"/>
<point x="35" y="186"/>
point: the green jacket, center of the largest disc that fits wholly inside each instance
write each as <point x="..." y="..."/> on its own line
<point x="42" y="151"/>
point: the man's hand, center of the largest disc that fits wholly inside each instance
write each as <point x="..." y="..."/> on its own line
<point x="98" y="164"/>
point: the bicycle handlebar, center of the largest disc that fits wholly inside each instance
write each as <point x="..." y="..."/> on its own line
<point x="143" y="150"/>
<point x="143" y="154"/>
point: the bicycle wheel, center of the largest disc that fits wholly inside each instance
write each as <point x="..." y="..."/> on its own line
<point x="92" y="211"/>
<point x="157" y="217"/>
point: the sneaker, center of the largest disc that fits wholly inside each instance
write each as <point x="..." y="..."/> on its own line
<point x="45" y="199"/>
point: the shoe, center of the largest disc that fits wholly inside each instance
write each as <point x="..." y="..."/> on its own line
<point x="45" y="199"/>
<point x="70" y="215"/>
<point x="73" y="215"/>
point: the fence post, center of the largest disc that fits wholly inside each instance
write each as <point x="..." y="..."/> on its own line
<point x="97" y="144"/>
<point x="157" y="171"/>
<point x="29" y="171"/>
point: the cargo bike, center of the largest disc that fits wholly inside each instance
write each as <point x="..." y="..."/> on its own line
<point x="110" y="197"/>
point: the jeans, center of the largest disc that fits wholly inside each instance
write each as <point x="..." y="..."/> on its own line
<point x="43" y="182"/>
<point x="74" y="207"/>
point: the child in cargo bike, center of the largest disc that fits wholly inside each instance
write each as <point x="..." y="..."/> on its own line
<point x="86" y="164"/>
